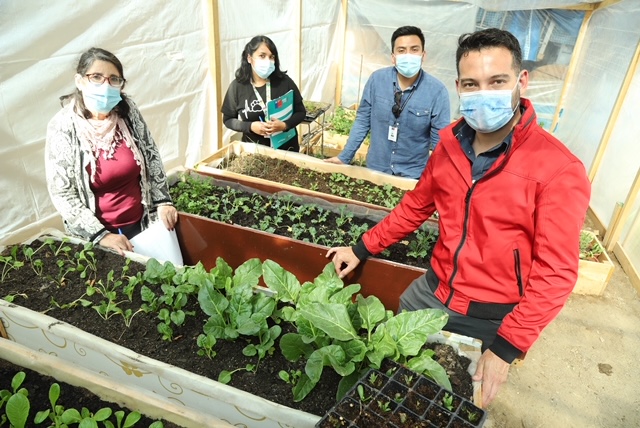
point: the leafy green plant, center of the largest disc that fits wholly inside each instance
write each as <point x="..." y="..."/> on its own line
<point x="422" y="246"/>
<point x="16" y="402"/>
<point x="349" y="336"/>
<point x="226" y="375"/>
<point x="341" y="120"/>
<point x="590" y="248"/>
<point x="9" y="263"/>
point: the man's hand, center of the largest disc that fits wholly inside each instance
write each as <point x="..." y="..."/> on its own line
<point x="343" y="256"/>
<point x="492" y="371"/>
<point x="120" y="243"/>
<point x="168" y="215"/>
<point x="334" y="160"/>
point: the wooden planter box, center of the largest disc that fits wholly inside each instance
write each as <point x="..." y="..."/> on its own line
<point x="213" y="163"/>
<point x="593" y="276"/>
<point x="331" y="145"/>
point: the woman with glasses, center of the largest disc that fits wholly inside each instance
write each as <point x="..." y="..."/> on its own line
<point x="258" y="81"/>
<point x="104" y="172"/>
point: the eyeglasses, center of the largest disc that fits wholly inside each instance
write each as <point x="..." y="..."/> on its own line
<point x="397" y="99"/>
<point x="98" y="79"/>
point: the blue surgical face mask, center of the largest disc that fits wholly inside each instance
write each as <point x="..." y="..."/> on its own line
<point x="100" y="98"/>
<point x="264" y="67"/>
<point x="487" y="111"/>
<point x="408" y="65"/>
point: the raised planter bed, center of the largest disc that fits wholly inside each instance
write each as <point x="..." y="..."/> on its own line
<point x="215" y="165"/>
<point x="219" y="404"/>
<point x="594" y="275"/>
<point x="116" y="393"/>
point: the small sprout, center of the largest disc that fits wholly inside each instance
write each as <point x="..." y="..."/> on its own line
<point x="384" y="406"/>
<point x="361" y="394"/>
<point x="447" y="401"/>
<point x="471" y="415"/>
<point x="398" y="397"/>
<point x="373" y="377"/>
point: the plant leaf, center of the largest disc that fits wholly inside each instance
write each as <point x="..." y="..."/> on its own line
<point x="411" y="329"/>
<point x="423" y="363"/>
<point x="17" y="409"/>
<point x="332" y="318"/>
<point x="284" y="283"/>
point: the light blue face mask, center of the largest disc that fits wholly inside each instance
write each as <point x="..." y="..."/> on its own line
<point x="408" y="65"/>
<point x="487" y="111"/>
<point x="101" y="98"/>
<point x="264" y="67"/>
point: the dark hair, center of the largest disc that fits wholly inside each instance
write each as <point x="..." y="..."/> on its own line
<point x="86" y="61"/>
<point x="407" y="30"/>
<point x="244" y="73"/>
<point x="489" y="38"/>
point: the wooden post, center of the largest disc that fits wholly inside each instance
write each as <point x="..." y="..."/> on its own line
<point x="613" y="118"/>
<point x="214" y="66"/>
<point x="571" y="70"/>
<point x="614" y="232"/>
<point x="340" y="68"/>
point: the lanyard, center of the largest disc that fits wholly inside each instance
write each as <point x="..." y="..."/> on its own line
<point x="260" y="100"/>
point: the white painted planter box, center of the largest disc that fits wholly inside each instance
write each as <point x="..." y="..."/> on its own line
<point x="182" y="397"/>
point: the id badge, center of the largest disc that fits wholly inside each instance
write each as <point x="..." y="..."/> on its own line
<point x="393" y="133"/>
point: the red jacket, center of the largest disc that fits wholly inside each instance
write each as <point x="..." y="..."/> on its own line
<point x="511" y="238"/>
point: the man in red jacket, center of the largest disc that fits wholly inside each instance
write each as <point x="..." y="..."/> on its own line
<point x="511" y="200"/>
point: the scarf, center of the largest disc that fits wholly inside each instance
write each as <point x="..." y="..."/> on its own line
<point x="103" y="137"/>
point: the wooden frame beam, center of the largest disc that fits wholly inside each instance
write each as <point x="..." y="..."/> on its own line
<point x="340" y="69"/>
<point x="613" y="118"/>
<point x="615" y="230"/>
<point x="571" y="70"/>
<point x="627" y="266"/>
<point x="214" y="63"/>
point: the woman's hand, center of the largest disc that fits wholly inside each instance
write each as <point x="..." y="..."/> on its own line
<point x="260" y="128"/>
<point x="120" y="243"/>
<point x="275" y="125"/>
<point x="169" y="216"/>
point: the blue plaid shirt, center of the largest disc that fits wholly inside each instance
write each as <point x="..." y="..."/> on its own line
<point x="424" y="114"/>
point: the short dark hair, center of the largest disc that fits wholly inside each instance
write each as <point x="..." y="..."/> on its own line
<point x="489" y="38"/>
<point x="407" y="30"/>
<point x="243" y="73"/>
<point x="86" y="61"/>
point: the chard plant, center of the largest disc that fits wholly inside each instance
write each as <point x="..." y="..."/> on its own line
<point x="10" y="262"/>
<point x="234" y="309"/>
<point x="339" y="328"/>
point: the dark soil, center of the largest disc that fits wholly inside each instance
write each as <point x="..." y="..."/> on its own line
<point x="142" y="337"/>
<point x="70" y="396"/>
<point x="285" y="172"/>
<point x="200" y="196"/>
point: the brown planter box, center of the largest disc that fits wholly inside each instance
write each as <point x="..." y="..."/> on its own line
<point x="204" y="240"/>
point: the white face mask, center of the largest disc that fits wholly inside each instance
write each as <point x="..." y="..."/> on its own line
<point x="487" y="111"/>
<point x="408" y="64"/>
<point x="264" y="67"/>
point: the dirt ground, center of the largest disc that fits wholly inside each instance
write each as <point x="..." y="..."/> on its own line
<point x="584" y="369"/>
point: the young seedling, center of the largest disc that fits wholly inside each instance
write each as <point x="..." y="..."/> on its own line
<point x="290" y="376"/>
<point x="447" y="401"/>
<point x="398" y="398"/>
<point x="471" y="415"/>
<point x="363" y="397"/>
<point x="225" y="375"/>
<point x="16" y="401"/>
<point x="384" y="406"/>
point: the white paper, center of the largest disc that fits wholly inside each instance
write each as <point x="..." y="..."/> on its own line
<point x="159" y="243"/>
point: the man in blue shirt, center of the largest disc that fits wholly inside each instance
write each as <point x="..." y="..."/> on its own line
<point x="403" y="107"/>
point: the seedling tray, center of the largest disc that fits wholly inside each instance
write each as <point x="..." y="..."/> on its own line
<point x="395" y="396"/>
